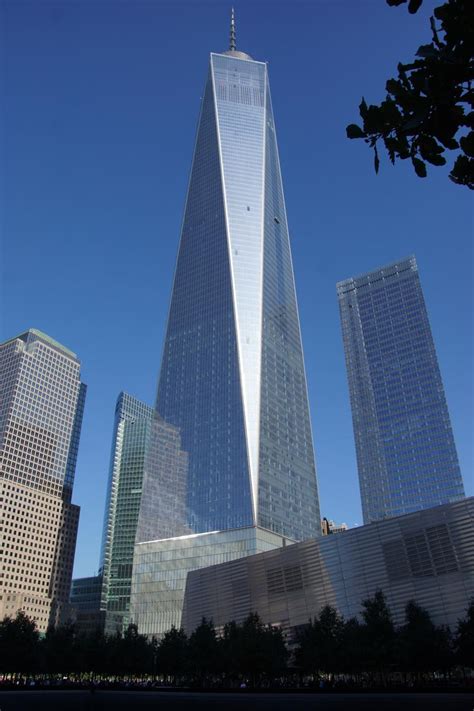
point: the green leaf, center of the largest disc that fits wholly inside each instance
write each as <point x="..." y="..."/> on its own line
<point x="468" y="120"/>
<point x="463" y="172"/>
<point x="354" y="131"/>
<point x="376" y="160"/>
<point x="403" y="146"/>
<point x="435" y="159"/>
<point x="427" y="50"/>
<point x="429" y="148"/>
<point x="420" y="167"/>
<point x="414" y="6"/>
<point x="363" y="108"/>
<point x="391" y="145"/>
<point x="394" y="87"/>
<point x="450" y="143"/>
<point x="416" y="119"/>
<point x="391" y="114"/>
<point x="467" y="144"/>
<point x="374" y="121"/>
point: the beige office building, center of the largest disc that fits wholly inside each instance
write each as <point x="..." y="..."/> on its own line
<point x="41" y="407"/>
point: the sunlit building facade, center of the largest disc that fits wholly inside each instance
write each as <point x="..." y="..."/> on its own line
<point x="41" y="408"/>
<point x="232" y="384"/>
<point x="406" y="454"/>
<point x="426" y="557"/>
<point x="329" y="527"/>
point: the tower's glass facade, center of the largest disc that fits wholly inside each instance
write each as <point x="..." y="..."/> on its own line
<point x="406" y="454"/>
<point x="131" y="432"/>
<point x="232" y="379"/>
<point x="233" y="425"/>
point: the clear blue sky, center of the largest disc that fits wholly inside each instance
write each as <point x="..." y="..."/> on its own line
<point x="102" y="100"/>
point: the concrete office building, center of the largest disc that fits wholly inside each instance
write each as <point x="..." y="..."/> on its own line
<point x="406" y="455"/>
<point x="426" y="556"/>
<point x="41" y="408"/>
<point x="232" y="393"/>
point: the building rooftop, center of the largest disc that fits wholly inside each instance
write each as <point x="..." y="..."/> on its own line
<point x="39" y="335"/>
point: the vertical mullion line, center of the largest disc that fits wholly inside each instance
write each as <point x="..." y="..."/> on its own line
<point x="262" y="275"/>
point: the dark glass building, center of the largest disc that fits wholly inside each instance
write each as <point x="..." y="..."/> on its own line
<point x="406" y="454"/>
<point x="87" y="609"/>
<point x="232" y="397"/>
<point x="132" y="426"/>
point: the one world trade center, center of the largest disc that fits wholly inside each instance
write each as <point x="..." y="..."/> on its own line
<point x="231" y="468"/>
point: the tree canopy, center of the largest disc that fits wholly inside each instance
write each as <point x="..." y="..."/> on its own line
<point x="250" y="651"/>
<point x="428" y="109"/>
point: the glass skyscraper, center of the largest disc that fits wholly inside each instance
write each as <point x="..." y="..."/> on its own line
<point x="41" y="407"/>
<point x="405" y="448"/>
<point x="131" y="431"/>
<point x="232" y="384"/>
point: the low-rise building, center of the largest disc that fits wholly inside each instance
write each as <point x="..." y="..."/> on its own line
<point x="427" y="556"/>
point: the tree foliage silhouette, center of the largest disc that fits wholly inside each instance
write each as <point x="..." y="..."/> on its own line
<point x="378" y="634"/>
<point x="428" y="109"/>
<point x="464" y="640"/>
<point x="320" y="648"/>
<point x="204" y="657"/>
<point x="422" y="647"/>
<point x="19" y="639"/>
<point x="250" y="651"/>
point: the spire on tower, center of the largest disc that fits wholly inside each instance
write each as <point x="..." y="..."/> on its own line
<point x="232" y="44"/>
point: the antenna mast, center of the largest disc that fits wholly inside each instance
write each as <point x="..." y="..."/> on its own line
<point x="232" y="44"/>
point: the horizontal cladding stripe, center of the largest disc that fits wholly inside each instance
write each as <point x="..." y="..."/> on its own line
<point x="297" y="581"/>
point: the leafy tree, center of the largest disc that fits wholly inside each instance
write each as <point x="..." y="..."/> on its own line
<point x="229" y="648"/>
<point x="276" y="652"/>
<point x="422" y="647"/>
<point x="136" y="652"/>
<point x="424" y="112"/>
<point x="59" y="648"/>
<point x="321" y="643"/>
<point x="93" y="651"/>
<point x="378" y="633"/>
<point x="352" y="644"/>
<point x="442" y="656"/>
<point x="173" y="653"/>
<point x="464" y="639"/>
<point x="19" y="644"/>
<point x="203" y="650"/>
<point x="115" y="661"/>
<point x="253" y="649"/>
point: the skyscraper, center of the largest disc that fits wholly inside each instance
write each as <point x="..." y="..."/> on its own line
<point x="405" y="448"/>
<point x="41" y="408"/>
<point x="127" y="461"/>
<point x="232" y="383"/>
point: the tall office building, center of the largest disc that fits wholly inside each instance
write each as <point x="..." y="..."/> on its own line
<point x="127" y="460"/>
<point x="406" y="454"/>
<point x="85" y="601"/>
<point x="41" y="408"/>
<point x="232" y="381"/>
